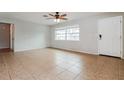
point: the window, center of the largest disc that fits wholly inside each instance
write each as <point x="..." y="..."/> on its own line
<point x="73" y="33"/>
<point x="67" y="33"/>
<point x="60" y="34"/>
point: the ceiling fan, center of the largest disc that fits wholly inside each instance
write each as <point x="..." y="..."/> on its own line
<point x="57" y="16"/>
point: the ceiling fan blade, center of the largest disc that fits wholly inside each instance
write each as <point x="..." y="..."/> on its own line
<point x="64" y="18"/>
<point x="49" y="18"/>
<point x="63" y="15"/>
<point x="45" y="15"/>
<point x="51" y="15"/>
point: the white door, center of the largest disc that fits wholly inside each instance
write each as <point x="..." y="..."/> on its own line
<point x="110" y="30"/>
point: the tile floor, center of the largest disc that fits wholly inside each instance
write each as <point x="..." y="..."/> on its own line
<point x="54" y="64"/>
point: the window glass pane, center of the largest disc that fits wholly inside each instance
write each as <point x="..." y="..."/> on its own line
<point x="67" y="33"/>
<point x="73" y="33"/>
<point x="60" y="34"/>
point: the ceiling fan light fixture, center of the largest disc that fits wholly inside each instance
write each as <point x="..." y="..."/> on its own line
<point x="57" y="20"/>
<point x="57" y="17"/>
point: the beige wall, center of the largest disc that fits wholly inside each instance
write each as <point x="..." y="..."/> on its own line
<point x="4" y="35"/>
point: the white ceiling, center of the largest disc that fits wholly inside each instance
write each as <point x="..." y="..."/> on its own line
<point x="37" y="17"/>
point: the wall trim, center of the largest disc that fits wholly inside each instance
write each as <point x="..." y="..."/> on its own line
<point x="75" y="51"/>
<point x="22" y="50"/>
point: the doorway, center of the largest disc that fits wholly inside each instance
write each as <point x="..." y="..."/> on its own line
<point x="6" y="37"/>
<point x="110" y="36"/>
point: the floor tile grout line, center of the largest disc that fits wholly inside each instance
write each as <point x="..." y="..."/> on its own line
<point x="77" y="76"/>
<point x="5" y="64"/>
<point x="21" y="62"/>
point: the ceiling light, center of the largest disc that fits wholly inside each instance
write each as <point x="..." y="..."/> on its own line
<point x="57" y="20"/>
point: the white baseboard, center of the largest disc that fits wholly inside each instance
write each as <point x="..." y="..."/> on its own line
<point x="77" y="51"/>
<point x="28" y="49"/>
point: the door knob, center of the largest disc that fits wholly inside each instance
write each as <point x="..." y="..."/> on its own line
<point x="100" y="36"/>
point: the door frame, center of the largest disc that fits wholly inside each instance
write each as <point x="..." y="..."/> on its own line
<point x="11" y="40"/>
<point x="12" y="36"/>
<point x="121" y="37"/>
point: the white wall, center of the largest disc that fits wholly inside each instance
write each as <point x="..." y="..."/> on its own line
<point x="88" y="37"/>
<point x="28" y="35"/>
<point x="88" y="34"/>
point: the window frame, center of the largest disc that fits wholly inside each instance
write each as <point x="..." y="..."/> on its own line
<point x="59" y="29"/>
<point x="66" y="33"/>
